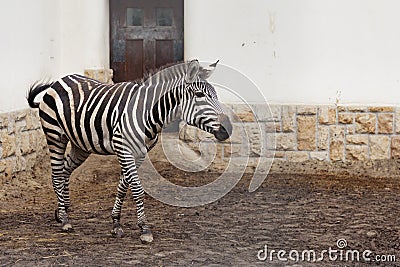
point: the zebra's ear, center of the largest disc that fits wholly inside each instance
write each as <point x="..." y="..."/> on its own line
<point x="192" y="71"/>
<point x="206" y="73"/>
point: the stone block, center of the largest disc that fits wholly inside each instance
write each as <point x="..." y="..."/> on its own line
<point x="337" y="132"/>
<point x="366" y="123"/>
<point x="243" y="113"/>
<point x="276" y="112"/>
<point x="11" y="127"/>
<point x="32" y="121"/>
<point x="357" y="139"/>
<point x="350" y="129"/>
<point x="379" y="147"/>
<point x="336" y="150"/>
<point x="307" y="110"/>
<point x="20" y="126"/>
<point x="327" y="115"/>
<point x="288" y="118"/>
<point x="381" y="109"/>
<point x="345" y="118"/>
<point x="28" y="143"/>
<point x="256" y="137"/>
<point x="385" y="123"/>
<point x="356" y="109"/>
<point x="341" y="108"/>
<point x="272" y="126"/>
<point x="306" y="132"/>
<point x="395" y="147"/>
<point x="270" y="141"/>
<point x="3" y="121"/>
<point x="323" y="138"/>
<point x="320" y="155"/>
<point x="286" y="141"/>
<point x="2" y="166"/>
<point x="356" y="153"/>
<point x="297" y="156"/>
<point x="8" y="144"/>
<point x="20" y="115"/>
<point x="397" y="120"/>
<point x="262" y="112"/>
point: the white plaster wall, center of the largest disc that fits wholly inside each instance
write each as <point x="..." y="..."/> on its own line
<point x="27" y="48"/>
<point x="84" y="35"/>
<point x="303" y="52"/>
<point x="46" y="39"/>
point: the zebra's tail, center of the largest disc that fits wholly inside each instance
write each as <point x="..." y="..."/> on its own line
<point x="36" y="89"/>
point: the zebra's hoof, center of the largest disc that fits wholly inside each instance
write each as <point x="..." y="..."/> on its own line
<point x="67" y="227"/>
<point x="146" y="237"/>
<point x="117" y="232"/>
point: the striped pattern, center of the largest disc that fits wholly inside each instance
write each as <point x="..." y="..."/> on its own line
<point x="123" y="119"/>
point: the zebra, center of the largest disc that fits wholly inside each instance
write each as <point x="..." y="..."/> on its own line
<point x="123" y="119"/>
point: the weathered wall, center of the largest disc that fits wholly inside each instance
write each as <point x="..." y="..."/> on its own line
<point x="305" y="51"/>
<point x="45" y="39"/>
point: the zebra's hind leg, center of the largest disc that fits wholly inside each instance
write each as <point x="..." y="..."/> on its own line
<point x="61" y="178"/>
<point x="57" y="145"/>
<point x="72" y="161"/>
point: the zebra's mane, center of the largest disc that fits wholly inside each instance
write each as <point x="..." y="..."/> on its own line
<point x="170" y="68"/>
<point x="153" y="72"/>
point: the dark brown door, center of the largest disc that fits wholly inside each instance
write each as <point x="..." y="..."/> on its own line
<point x="145" y="34"/>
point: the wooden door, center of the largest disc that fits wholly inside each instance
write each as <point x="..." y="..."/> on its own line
<point x="145" y="34"/>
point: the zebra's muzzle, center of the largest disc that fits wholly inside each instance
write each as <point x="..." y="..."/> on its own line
<point x="225" y="129"/>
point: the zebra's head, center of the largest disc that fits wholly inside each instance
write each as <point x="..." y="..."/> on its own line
<point x="201" y="107"/>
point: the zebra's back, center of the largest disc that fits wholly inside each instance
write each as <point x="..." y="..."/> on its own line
<point x="86" y="110"/>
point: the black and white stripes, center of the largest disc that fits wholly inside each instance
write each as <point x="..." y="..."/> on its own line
<point x="123" y="119"/>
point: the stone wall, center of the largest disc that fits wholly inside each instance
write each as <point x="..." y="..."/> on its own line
<point x="334" y="136"/>
<point x="22" y="142"/>
<point x="304" y="134"/>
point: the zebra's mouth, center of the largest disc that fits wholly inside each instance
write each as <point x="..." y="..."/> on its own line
<point x="225" y="129"/>
<point x="221" y="134"/>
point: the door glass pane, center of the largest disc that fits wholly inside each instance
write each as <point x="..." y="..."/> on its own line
<point x="134" y="16"/>
<point x="164" y="16"/>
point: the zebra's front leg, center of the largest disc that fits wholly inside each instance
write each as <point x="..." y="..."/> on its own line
<point x="123" y="185"/>
<point x="138" y="195"/>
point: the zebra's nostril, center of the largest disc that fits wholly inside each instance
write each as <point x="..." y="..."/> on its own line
<point x="221" y="134"/>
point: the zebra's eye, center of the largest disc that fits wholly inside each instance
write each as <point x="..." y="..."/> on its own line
<point x="199" y="94"/>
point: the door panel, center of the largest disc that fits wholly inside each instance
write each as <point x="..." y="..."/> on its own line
<point x="164" y="52"/>
<point x="134" y="52"/>
<point x="145" y="34"/>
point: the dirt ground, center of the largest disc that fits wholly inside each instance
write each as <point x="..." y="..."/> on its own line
<point x="288" y="212"/>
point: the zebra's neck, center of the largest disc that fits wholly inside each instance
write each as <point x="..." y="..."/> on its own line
<point x="164" y="111"/>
